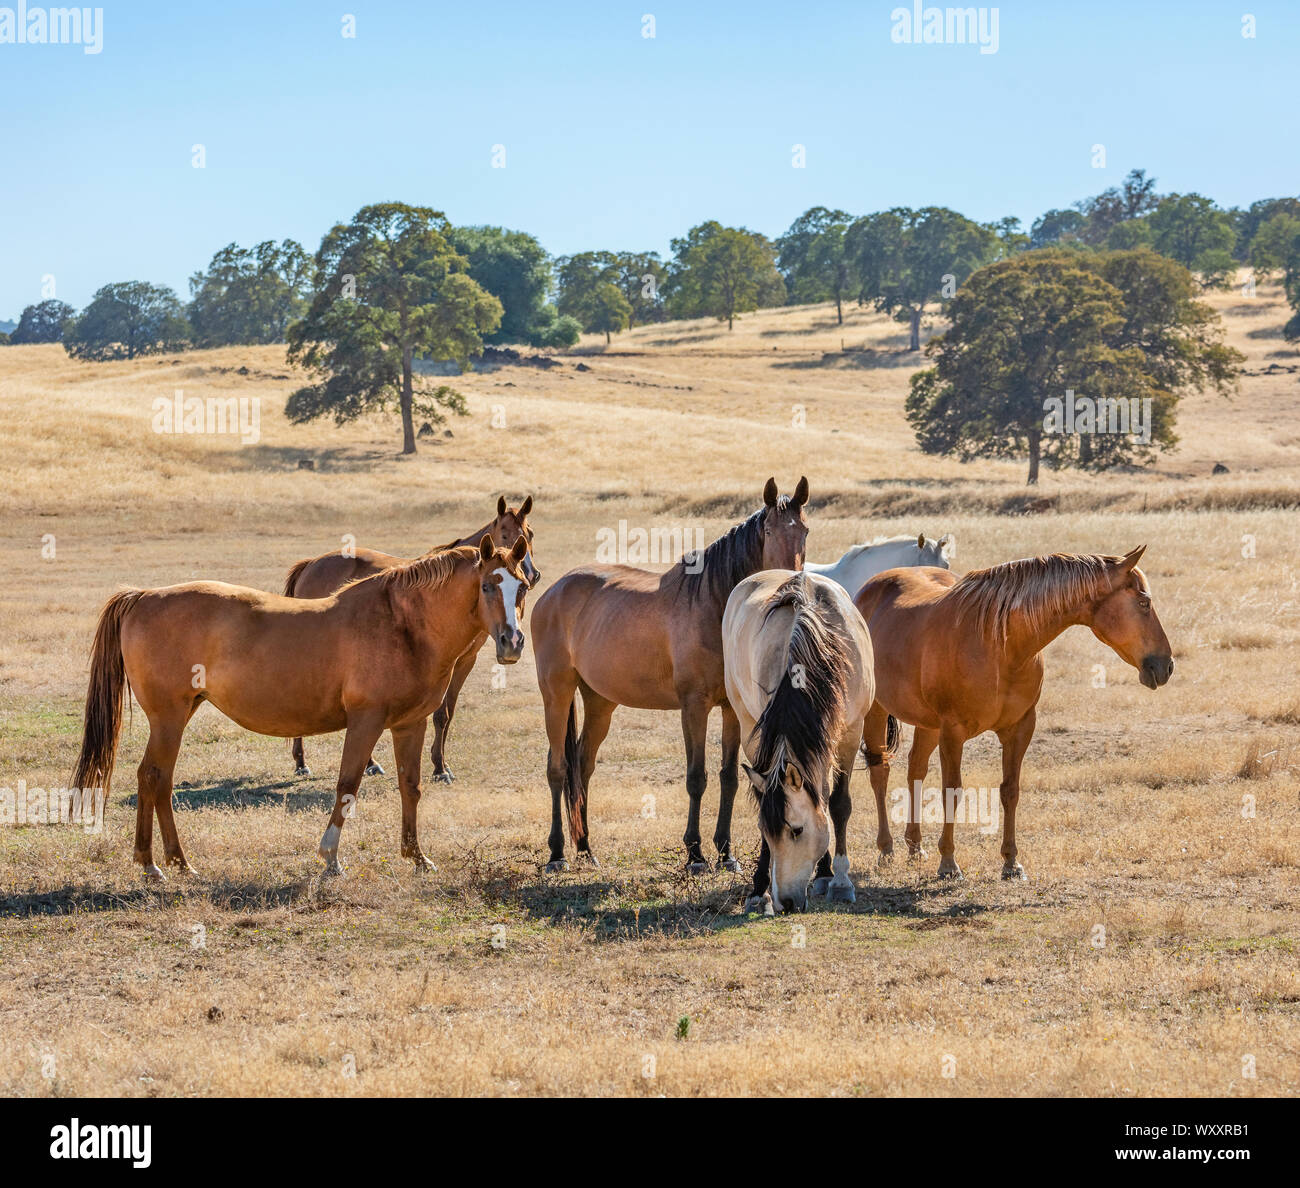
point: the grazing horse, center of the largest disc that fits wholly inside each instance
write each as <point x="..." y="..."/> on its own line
<point x="625" y="636"/>
<point x="376" y="656"/>
<point x="863" y="561"/>
<point x="800" y="679"/>
<point x="958" y="657"/>
<point x="319" y="577"/>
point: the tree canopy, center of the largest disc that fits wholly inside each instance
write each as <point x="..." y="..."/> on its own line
<point x="1115" y="329"/>
<point x="813" y="256"/>
<point x="389" y="288"/>
<point x="249" y="295"/>
<point x="515" y="269"/>
<point x="721" y="272"/>
<point x="43" y="322"/>
<point x="127" y="319"/>
<point x="907" y="258"/>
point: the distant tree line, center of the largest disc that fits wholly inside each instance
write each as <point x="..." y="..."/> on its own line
<point x="398" y="284"/>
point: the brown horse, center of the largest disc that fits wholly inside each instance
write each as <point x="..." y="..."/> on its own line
<point x="625" y="636"/>
<point x="319" y="577"/>
<point x="956" y="657"/>
<point x="376" y="656"/>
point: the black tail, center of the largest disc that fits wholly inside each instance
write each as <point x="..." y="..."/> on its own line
<point x="294" y="574"/>
<point x="893" y="737"/>
<point x="575" y="795"/>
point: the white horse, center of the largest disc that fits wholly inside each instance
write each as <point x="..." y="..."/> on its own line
<point x="800" y="677"/>
<point x="863" y="561"/>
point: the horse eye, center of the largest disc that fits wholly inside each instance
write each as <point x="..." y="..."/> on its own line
<point x="796" y="833"/>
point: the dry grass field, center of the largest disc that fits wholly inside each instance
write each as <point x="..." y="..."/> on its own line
<point x="1170" y="819"/>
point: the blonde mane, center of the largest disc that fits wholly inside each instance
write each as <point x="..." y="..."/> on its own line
<point x="1037" y="588"/>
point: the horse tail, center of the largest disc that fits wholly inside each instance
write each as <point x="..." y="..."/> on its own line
<point x="575" y="794"/>
<point x="104" y="694"/>
<point x="893" y="736"/>
<point x="294" y="574"/>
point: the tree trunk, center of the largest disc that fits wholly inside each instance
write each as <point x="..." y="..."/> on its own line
<point x="408" y="399"/>
<point x="1034" y="444"/>
<point x="608" y="340"/>
<point x="916" y="330"/>
<point x="731" y="322"/>
<point x="839" y="309"/>
<point x="1085" y="450"/>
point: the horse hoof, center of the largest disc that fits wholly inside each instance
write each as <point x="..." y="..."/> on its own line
<point x="950" y="870"/>
<point x="373" y="768"/>
<point x="730" y="864"/>
<point x="589" y="858"/>
<point x="422" y="863"/>
<point x="183" y="867"/>
<point x="559" y="866"/>
<point x="762" y="904"/>
<point x="1015" y="872"/>
<point x="302" y="770"/>
<point x="886" y="858"/>
<point x="821" y="886"/>
<point x="153" y="875"/>
<point x="443" y="777"/>
<point x="332" y="871"/>
<point x="697" y="868"/>
<point x="841" y="893"/>
<point x="917" y="854"/>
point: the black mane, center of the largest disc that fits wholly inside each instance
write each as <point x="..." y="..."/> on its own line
<point x="728" y="560"/>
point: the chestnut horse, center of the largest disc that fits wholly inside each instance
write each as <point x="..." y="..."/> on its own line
<point x="625" y="636"/>
<point x="956" y="657"/>
<point x="376" y="656"/>
<point x="800" y="678"/>
<point x="319" y="577"/>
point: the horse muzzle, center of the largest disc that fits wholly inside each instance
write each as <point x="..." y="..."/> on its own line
<point x="1156" y="671"/>
<point x="510" y="646"/>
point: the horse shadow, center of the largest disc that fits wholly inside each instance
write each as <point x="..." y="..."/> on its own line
<point x="75" y="899"/>
<point x="296" y="795"/>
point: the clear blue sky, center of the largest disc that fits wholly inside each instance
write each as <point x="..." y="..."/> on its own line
<point x="612" y="140"/>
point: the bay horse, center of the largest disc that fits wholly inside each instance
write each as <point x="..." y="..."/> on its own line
<point x="862" y="562"/>
<point x="627" y="636"/>
<point x="800" y="677"/>
<point x="958" y="657"/>
<point x="376" y="656"/>
<point x="319" y="577"/>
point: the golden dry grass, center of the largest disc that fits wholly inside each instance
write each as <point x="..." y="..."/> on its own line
<point x="255" y="978"/>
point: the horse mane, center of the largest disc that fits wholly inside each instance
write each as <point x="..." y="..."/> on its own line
<point x="801" y="722"/>
<point x="432" y="570"/>
<point x="1038" y="588"/>
<point x="901" y="538"/>
<point x="728" y="560"/>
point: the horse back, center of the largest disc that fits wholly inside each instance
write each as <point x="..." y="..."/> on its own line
<point x="319" y="577"/>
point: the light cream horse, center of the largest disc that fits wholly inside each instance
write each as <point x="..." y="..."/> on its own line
<point x="801" y="678"/>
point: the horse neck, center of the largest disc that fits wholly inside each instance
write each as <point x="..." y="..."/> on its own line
<point x="445" y="612"/>
<point x="1025" y="641"/>
<point x="474" y="537"/>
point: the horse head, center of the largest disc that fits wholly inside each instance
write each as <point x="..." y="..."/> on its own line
<point x="502" y="587"/>
<point x="1125" y="620"/>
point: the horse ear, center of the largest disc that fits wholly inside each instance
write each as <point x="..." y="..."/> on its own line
<point x="520" y="549"/>
<point x="754" y="778"/>
<point x="1131" y="559"/>
<point x="485" y="548"/>
<point x="800" y="496"/>
<point x="501" y="505"/>
<point x="769" y="493"/>
<point x="525" y="507"/>
<point x="793" y="778"/>
<point x="948" y="545"/>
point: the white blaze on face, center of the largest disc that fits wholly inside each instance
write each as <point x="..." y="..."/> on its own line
<point x="509" y="592"/>
<point x="530" y="570"/>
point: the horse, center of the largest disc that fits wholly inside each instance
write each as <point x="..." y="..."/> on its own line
<point x="376" y="656"/>
<point x="319" y="577"/>
<point x="626" y="636"/>
<point x="958" y="657"/>
<point x="799" y="675"/>
<point x="863" y="561"/>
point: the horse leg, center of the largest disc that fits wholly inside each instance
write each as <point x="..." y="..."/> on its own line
<point x="759" y="898"/>
<point x="170" y="745"/>
<point x="728" y="782"/>
<point x="1015" y="741"/>
<point x="924" y="742"/>
<point x="875" y="730"/>
<point x="695" y="726"/>
<point x="443" y="715"/>
<point x="596" y="715"/>
<point x="152" y="776"/>
<point x="299" y="759"/>
<point x="363" y="732"/>
<point x="408" y="752"/>
<point x="840" y="887"/>
<point x="950" y="749"/>
<point x="558" y="692"/>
